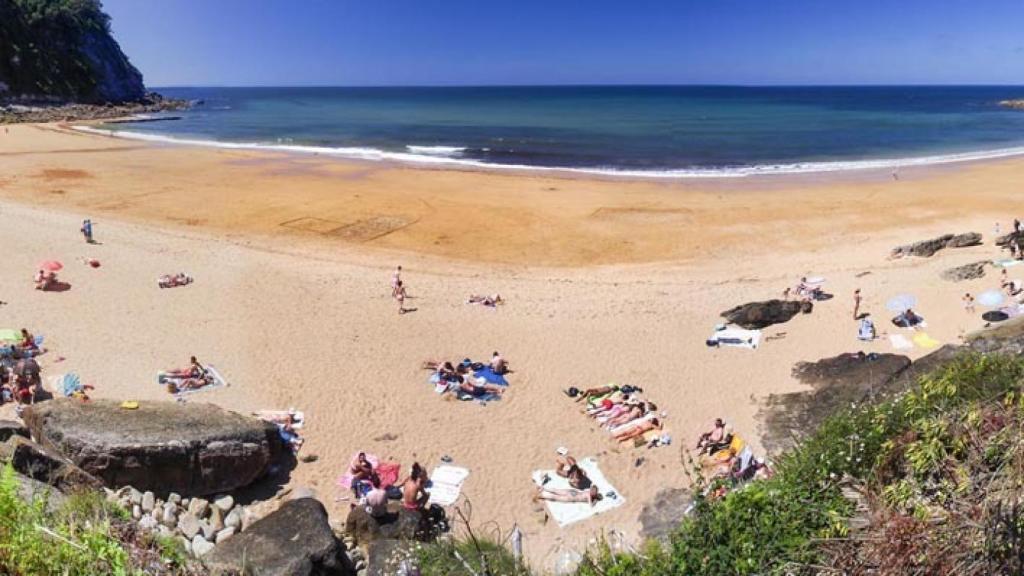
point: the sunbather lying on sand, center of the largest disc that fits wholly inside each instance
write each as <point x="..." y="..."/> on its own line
<point x="596" y="392"/>
<point x="566" y="467"/>
<point x="194" y="370"/>
<point x="471" y="387"/>
<point x="172" y="280"/>
<point x="907" y="319"/>
<point x="491" y="301"/>
<point x="591" y="496"/>
<point x="635" y="411"/>
<point x="638" y="430"/>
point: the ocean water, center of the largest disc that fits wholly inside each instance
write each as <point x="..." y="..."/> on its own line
<point x="651" y="131"/>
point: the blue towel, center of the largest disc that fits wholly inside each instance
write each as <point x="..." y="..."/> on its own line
<point x="491" y="376"/>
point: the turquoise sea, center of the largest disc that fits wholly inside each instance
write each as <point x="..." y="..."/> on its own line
<point x="656" y="131"/>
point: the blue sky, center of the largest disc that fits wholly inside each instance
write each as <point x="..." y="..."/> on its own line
<point x="475" y="42"/>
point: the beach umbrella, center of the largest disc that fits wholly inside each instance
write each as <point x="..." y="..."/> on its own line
<point x="991" y="298"/>
<point x="901" y="303"/>
<point x="50" y="265"/>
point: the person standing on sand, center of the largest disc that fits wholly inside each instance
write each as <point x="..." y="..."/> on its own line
<point x="968" y="303"/>
<point x="87" y="230"/>
<point x="856" y="303"/>
<point x="396" y="281"/>
<point x="400" y="296"/>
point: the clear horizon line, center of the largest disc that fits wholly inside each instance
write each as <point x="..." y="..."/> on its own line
<point x="602" y="85"/>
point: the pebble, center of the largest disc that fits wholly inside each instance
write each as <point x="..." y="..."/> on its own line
<point x="198" y="507"/>
<point x="134" y="496"/>
<point x="186" y="543"/>
<point x="174" y="498"/>
<point x="225" y="534"/>
<point x="170" y="516"/>
<point x="200" y="546"/>
<point x="216" y="519"/>
<point x="234" y="519"/>
<point x="148" y="523"/>
<point x="225" y="503"/>
<point x="188" y="524"/>
<point x="148" y="501"/>
<point x="136" y="512"/>
<point x="208" y="532"/>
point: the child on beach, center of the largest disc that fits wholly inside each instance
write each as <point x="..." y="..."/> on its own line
<point x="968" y="303"/>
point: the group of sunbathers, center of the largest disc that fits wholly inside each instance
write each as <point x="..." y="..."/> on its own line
<point x="172" y="280"/>
<point x="370" y="491"/>
<point x="908" y="319"/>
<point x="462" y="378"/>
<point x="724" y="455"/>
<point x="624" y="413"/>
<point x="192" y="377"/>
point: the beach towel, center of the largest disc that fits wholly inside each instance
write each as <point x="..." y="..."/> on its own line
<point x="736" y="337"/>
<point x="632" y="423"/>
<point x="566" y="513"/>
<point x="387" y="471"/>
<point x="490" y="376"/>
<point x="1006" y="262"/>
<point x="216" y="381"/>
<point x="866" y="331"/>
<point x="298" y="417"/>
<point x="66" y="384"/>
<point x="923" y="340"/>
<point x="900" y="342"/>
<point x="10" y="335"/>
<point x="446" y="484"/>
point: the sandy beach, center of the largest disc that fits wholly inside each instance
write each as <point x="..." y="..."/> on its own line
<point x="606" y="280"/>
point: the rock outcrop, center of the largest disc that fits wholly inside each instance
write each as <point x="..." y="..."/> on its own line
<point x="757" y="315"/>
<point x="294" y="540"/>
<point x="193" y="449"/>
<point x="64" y="51"/>
<point x="971" y="271"/>
<point x="928" y="248"/>
<point x="47" y="466"/>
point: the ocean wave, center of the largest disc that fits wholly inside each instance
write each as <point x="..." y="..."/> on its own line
<point x="436" y="150"/>
<point x="417" y="155"/>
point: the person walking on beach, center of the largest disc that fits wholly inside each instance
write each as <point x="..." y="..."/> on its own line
<point x="87" y="230"/>
<point x="968" y="303"/>
<point x="856" y="303"/>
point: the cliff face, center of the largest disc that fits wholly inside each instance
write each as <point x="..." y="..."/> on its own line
<point x="63" y="50"/>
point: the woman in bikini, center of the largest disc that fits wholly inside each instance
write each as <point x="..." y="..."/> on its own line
<point x="400" y="295"/>
<point x="638" y="430"/>
<point x="567" y="468"/>
<point x="591" y="496"/>
<point x="414" y="494"/>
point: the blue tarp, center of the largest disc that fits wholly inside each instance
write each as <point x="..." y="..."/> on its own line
<point x="491" y="376"/>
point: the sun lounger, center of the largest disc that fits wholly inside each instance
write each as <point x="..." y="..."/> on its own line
<point x="900" y="342"/>
<point x="446" y="484"/>
<point x="736" y="337"/>
<point x="566" y="513"/>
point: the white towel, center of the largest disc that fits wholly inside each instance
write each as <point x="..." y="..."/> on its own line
<point x="749" y="339"/>
<point x="566" y="513"/>
<point x="446" y="484"/>
<point x="900" y="342"/>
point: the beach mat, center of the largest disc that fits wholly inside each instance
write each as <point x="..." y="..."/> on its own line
<point x="900" y="342"/>
<point x="446" y="484"/>
<point x="490" y="376"/>
<point x="737" y="338"/>
<point x="217" y="378"/>
<point x="566" y="513"/>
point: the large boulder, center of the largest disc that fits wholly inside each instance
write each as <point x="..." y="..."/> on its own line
<point x="46" y="466"/>
<point x="757" y="315"/>
<point x="928" y="248"/>
<point x="971" y="271"/>
<point x="294" y="540"/>
<point x="191" y="449"/>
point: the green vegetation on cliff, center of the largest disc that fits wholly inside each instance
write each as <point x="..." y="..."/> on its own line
<point x="63" y="49"/>
<point x="929" y="482"/>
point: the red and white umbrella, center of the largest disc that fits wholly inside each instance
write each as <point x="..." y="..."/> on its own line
<point x="50" y="266"/>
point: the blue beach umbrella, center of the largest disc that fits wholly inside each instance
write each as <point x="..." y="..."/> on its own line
<point x="991" y="298"/>
<point x="901" y="302"/>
